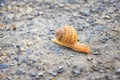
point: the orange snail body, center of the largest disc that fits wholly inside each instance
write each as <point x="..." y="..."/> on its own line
<point x="68" y="37"/>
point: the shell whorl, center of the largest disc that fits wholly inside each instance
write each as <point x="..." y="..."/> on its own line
<point x="67" y="34"/>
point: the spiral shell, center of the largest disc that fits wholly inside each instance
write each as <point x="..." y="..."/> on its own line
<point x="67" y="34"/>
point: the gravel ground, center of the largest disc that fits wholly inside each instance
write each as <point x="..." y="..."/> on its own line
<point x="26" y="30"/>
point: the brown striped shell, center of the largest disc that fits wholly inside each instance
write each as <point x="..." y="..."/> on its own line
<point x="67" y="34"/>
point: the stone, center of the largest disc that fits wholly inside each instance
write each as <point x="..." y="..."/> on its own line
<point x="24" y="59"/>
<point x="117" y="71"/>
<point x="76" y="72"/>
<point x="61" y="5"/>
<point x="3" y="2"/>
<point x="102" y="8"/>
<point x="92" y="9"/>
<point x="3" y="66"/>
<point x="95" y="68"/>
<point x="40" y="74"/>
<point x="28" y="51"/>
<point x="12" y="63"/>
<point x="99" y="77"/>
<point x="60" y="69"/>
<point x="13" y="27"/>
<point x="85" y="13"/>
<point x="97" y="52"/>
<point x="35" y="14"/>
<point x="0" y="48"/>
<point x="18" y="45"/>
<point x="41" y="12"/>
<point x="53" y="73"/>
<point x="90" y="58"/>
<point x="38" y="67"/>
<point x="103" y="40"/>
<point x="10" y="16"/>
<point x="112" y="1"/>
<point x="107" y="77"/>
<point x="32" y="74"/>
<point x="16" y="58"/>
<point x="22" y="49"/>
<point x="18" y="52"/>
<point x="29" y="10"/>
<point x="9" y="78"/>
<point x="29" y="44"/>
<point x="68" y="63"/>
<point x="107" y="17"/>
<point x="19" y="72"/>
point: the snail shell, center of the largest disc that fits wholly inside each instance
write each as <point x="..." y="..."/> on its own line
<point x="67" y="34"/>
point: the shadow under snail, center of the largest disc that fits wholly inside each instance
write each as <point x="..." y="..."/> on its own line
<point x="68" y="37"/>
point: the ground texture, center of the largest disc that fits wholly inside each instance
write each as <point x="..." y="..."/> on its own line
<point x="26" y="30"/>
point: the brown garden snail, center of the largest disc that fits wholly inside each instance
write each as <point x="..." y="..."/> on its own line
<point x="67" y="36"/>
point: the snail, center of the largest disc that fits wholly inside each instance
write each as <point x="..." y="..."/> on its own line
<point x="67" y="36"/>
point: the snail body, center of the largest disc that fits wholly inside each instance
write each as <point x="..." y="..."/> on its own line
<point x="68" y="37"/>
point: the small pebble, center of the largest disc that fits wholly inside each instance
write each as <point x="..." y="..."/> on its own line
<point x="103" y="40"/>
<point x="39" y="67"/>
<point x="0" y="48"/>
<point x="53" y="73"/>
<point x="32" y="74"/>
<point x="61" y="5"/>
<point x="52" y="48"/>
<point x="76" y="72"/>
<point x="18" y="72"/>
<point x="98" y="77"/>
<point x="41" y="12"/>
<point x="92" y="10"/>
<point x="95" y="68"/>
<point x="3" y="66"/>
<point x="40" y="74"/>
<point x="24" y="59"/>
<point x="12" y="64"/>
<point x="60" y="69"/>
<point x="16" y="58"/>
<point x="18" y="52"/>
<point x="68" y="63"/>
<point x="22" y="49"/>
<point x="117" y="71"/>
<point x="18" y="45"/>
<point x="2" y="2"/>
<point x="29" y="10"/>
<point x="13" y="27"/>
<point x="8" y="78"/>
<point x="112" y="1"/>
<point x="102" y="8"/>
<point x="85" y="13"/>
<point x="10" y="16"/>
<point x="9" y="7"/>
<point x="28" y="51"/>
<point x="29" y="44"/>
<point x="97" y="52"/>
<point x="90" y="58"/>
<point x="107" y="17"/>
<point x="108" y="77"/>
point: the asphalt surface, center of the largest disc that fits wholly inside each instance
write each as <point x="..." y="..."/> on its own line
<point x="26" y="49"/>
